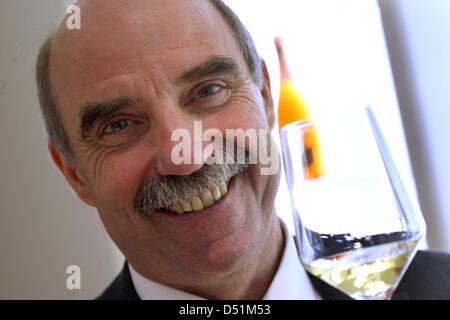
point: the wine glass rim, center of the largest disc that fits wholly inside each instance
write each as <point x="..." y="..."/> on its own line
<point x="310" y="121"/>
<point x="298" y="124"/>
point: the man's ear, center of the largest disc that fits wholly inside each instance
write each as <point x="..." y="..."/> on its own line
<point x="267" y="96"/>
<point x="72" y="175"/>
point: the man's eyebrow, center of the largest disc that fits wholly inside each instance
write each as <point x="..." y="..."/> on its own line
<point x="216" y="65"/>
<point x="93" y="112"/>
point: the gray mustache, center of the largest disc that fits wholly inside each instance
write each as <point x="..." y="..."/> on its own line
<point x="166" y="190"/>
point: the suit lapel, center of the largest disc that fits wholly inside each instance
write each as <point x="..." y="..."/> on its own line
<point x="121" y="288"/>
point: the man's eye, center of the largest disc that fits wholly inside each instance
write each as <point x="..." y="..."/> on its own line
<point x="208" y="90"/>
<point x="117" y="126"/>
<point x="209" y="95"/>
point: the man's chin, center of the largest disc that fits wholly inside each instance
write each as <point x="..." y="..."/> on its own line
<point x="221" y="240"/>
<point x="223" y="256"/>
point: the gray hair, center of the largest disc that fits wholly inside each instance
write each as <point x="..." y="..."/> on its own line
<point x="245" y="41"/>
<point x="53" y="123"/>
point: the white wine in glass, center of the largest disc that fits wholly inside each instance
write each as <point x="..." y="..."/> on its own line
<point x="356" y="228"/>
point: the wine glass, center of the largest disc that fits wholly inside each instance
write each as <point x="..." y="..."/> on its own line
<point x="356" y="228"/>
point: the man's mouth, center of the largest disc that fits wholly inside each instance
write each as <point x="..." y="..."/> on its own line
<point x="201" y="201"/>
<point x="188" y="193"/>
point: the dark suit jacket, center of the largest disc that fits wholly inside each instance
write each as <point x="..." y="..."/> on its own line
<point x="428" y="277"/>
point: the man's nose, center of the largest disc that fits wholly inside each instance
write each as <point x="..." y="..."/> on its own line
<point x="180" y="147"/>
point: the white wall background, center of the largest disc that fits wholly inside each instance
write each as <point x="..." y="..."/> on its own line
<point x="44" y="228"/>
<point x="337" y="54"/>
<point x="418" y="37"/>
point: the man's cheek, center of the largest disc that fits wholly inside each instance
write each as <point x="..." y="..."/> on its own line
<point x="116" y="190"/>
<point x="268" y="154"/>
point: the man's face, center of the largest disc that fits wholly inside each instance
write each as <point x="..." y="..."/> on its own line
<point x="154" y="67"/>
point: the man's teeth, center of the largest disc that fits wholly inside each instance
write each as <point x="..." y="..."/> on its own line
<point x="187" y="206"/>
<point x="207" y="199"/>
<point x="197" y="204"/>
<point x="223" y="189"/>
<point x="217" y="194"/>
<point x="178" y="207"/>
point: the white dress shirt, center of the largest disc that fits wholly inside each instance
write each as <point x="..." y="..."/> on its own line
<point x="290" y="282"/>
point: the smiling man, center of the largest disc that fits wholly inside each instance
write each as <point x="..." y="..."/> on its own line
<point x="113" y="93"/>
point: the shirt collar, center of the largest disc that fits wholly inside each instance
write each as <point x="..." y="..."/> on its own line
<point x="290" y="282"/>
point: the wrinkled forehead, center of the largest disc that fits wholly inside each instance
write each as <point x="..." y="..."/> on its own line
<point x="116" y="32"/>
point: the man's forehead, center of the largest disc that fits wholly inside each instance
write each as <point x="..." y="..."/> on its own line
<point x="113" y="31"/>
<point x="105" y="22"/>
